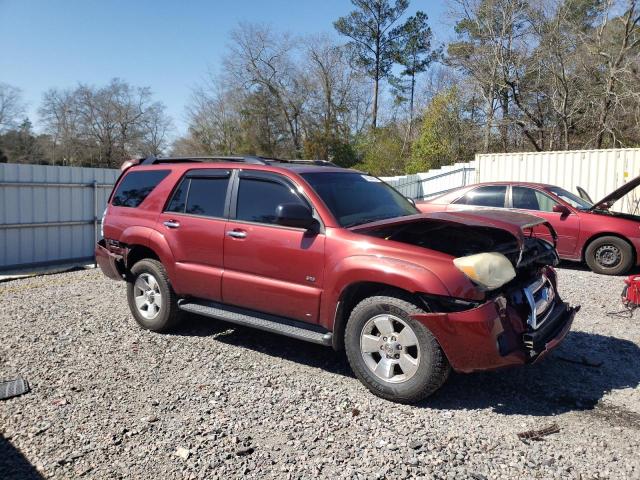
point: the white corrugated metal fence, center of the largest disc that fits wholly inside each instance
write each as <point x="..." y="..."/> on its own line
<point x="50" y="214"/>
<point x="434" y="182"/>
<point x="598" y="172"/>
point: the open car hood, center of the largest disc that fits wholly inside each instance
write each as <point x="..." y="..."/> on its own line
<point x="617" y="194"/>
<point x="515" y="223"/>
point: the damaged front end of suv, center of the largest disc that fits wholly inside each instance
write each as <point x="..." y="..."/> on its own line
<point x="514" y="315"/>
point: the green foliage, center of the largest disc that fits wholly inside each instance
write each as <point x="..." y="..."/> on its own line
<point x="438" y="142"/>
<point x="381" y="152"/>
<point x="328" y="147"/>
<point x="414" y="55"/>
<point x="368" y="28"/>
<point x="374" y="44"/>
<point x="21" y="146"/>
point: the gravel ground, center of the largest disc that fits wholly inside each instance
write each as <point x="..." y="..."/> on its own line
<point x="110" y="400"/>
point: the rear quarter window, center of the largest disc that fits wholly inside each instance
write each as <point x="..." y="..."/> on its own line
<point x="136" y="186"/>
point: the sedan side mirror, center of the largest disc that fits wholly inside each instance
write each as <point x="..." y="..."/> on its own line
<point x="294" y="215"/>
<point x="561" y="209"/>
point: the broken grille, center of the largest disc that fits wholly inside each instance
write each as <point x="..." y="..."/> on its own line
<point x="540" y="296"/>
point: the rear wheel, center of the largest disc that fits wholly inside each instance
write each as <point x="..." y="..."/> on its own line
<point x="609" y="256"/>
<point x="394" y="356"/>
<point x="150" y="296"/>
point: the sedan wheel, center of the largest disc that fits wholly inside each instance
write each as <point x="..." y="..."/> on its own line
<point x="609" y="255"/>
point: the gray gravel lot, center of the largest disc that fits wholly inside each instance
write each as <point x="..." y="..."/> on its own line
<point x="110" y="400"/>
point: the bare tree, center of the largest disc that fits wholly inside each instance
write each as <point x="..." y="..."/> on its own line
<point x="103" y="126"/>
<point x="260" y="59"/>
<point x="12" y="107"/>
<point x="615" y="44"/>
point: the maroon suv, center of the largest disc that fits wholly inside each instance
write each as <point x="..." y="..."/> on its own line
<point x="335" y="257"/>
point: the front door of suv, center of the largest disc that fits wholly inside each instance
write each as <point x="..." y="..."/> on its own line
<point x="269" y="267"/>
<point x="193" y="223"/>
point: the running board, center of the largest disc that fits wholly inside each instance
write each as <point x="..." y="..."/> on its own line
<point x="261" y="321"/>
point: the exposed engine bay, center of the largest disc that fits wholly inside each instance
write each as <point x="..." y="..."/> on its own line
<point x="460" y="240"/>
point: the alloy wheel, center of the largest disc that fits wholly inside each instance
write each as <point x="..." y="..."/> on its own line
<point x="146" y="292"/>
<point x="390" y="349"/>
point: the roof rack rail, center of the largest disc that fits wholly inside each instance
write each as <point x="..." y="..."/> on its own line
<point x="254" y="160"/>
<point x="157" y="160"/>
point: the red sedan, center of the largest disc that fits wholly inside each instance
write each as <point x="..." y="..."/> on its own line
<point x="609" y="242"/>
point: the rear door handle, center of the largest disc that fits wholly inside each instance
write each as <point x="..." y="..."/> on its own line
<point x="171" y="224"/>
<point x="237" y="234"/>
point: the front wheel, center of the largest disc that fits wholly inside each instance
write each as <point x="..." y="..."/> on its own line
<point x="150" y="296"/>
<point x="394" y="356"/>
<point x="609" y="256"/>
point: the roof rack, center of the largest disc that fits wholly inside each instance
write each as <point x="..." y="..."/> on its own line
<point x="254" y="160"/>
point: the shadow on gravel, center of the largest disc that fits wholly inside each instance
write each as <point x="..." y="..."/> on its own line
<point x="13" y="465"/>
<point x="267" y="343"/>
<point x="553" y="386"/>
<point x="550" y="387"/>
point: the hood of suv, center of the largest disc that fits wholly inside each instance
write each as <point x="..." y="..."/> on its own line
<point x="616" y="195"/>
<point x="513" y="222"/>
<point x="460" y="233"/>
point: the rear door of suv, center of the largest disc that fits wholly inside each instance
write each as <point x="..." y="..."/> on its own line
<point x="193" y="222"/>
<point x="269" y="267"/>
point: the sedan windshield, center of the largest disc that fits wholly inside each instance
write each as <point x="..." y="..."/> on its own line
<point x="570" y="198"/>
<point x="356" y="198"/>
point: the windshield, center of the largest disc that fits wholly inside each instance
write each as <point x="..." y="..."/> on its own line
<point x="356" y="198"/>
<point x="573" y="200"/>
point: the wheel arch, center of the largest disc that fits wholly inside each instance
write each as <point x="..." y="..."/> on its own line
<point x="353" y="294"/>
<point x="139" y="252"/>
<point x="151" y="245"/>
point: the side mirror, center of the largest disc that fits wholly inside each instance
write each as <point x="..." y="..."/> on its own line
<point x="294" y="215"/>
<point x="561" y="209"/>
<point x="411" y="201"/>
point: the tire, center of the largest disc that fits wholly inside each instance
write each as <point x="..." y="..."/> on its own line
<point x="419" y="381"/>
<point x="609" y="256"/>
<point x="159" y="312"/>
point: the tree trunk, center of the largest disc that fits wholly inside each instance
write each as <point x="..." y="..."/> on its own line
<point x="489" y="122"/>
<point x="413" y="88"/>
<point x="376" y="82"/>
<point x="504" y="132"/>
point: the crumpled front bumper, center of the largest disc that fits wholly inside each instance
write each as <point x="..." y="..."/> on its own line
<point x="493" y="335"/>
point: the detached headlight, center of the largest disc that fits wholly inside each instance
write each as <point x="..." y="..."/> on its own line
<point x="490" y="270"/>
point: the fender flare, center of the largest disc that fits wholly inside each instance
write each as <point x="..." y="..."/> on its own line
<point x="154" y="240"/>
<point x="389" y="271"/>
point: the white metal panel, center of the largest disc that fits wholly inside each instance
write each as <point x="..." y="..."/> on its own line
<point x="49" y="203"/>
<point x="435" y="181"/>
<point x="597" y="171"/>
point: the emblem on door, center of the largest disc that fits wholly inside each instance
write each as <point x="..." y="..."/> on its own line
<point x="309" y="278"/>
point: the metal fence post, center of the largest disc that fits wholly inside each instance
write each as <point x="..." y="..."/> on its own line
<point x="94" y="184"/>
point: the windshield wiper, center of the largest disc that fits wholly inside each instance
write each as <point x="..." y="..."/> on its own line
<point x="375" y="218"/>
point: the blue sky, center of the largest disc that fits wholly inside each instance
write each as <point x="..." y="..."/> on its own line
<point x="166" y="45"/>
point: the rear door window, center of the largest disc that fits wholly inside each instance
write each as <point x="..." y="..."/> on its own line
<point x="136" y="186"/>
<point x="204" y="196"/>
<point x="488" y="196"/>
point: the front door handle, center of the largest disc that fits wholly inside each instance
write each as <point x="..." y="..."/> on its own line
<point x="237" y="234"/>
<point x="171" y="224"/>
